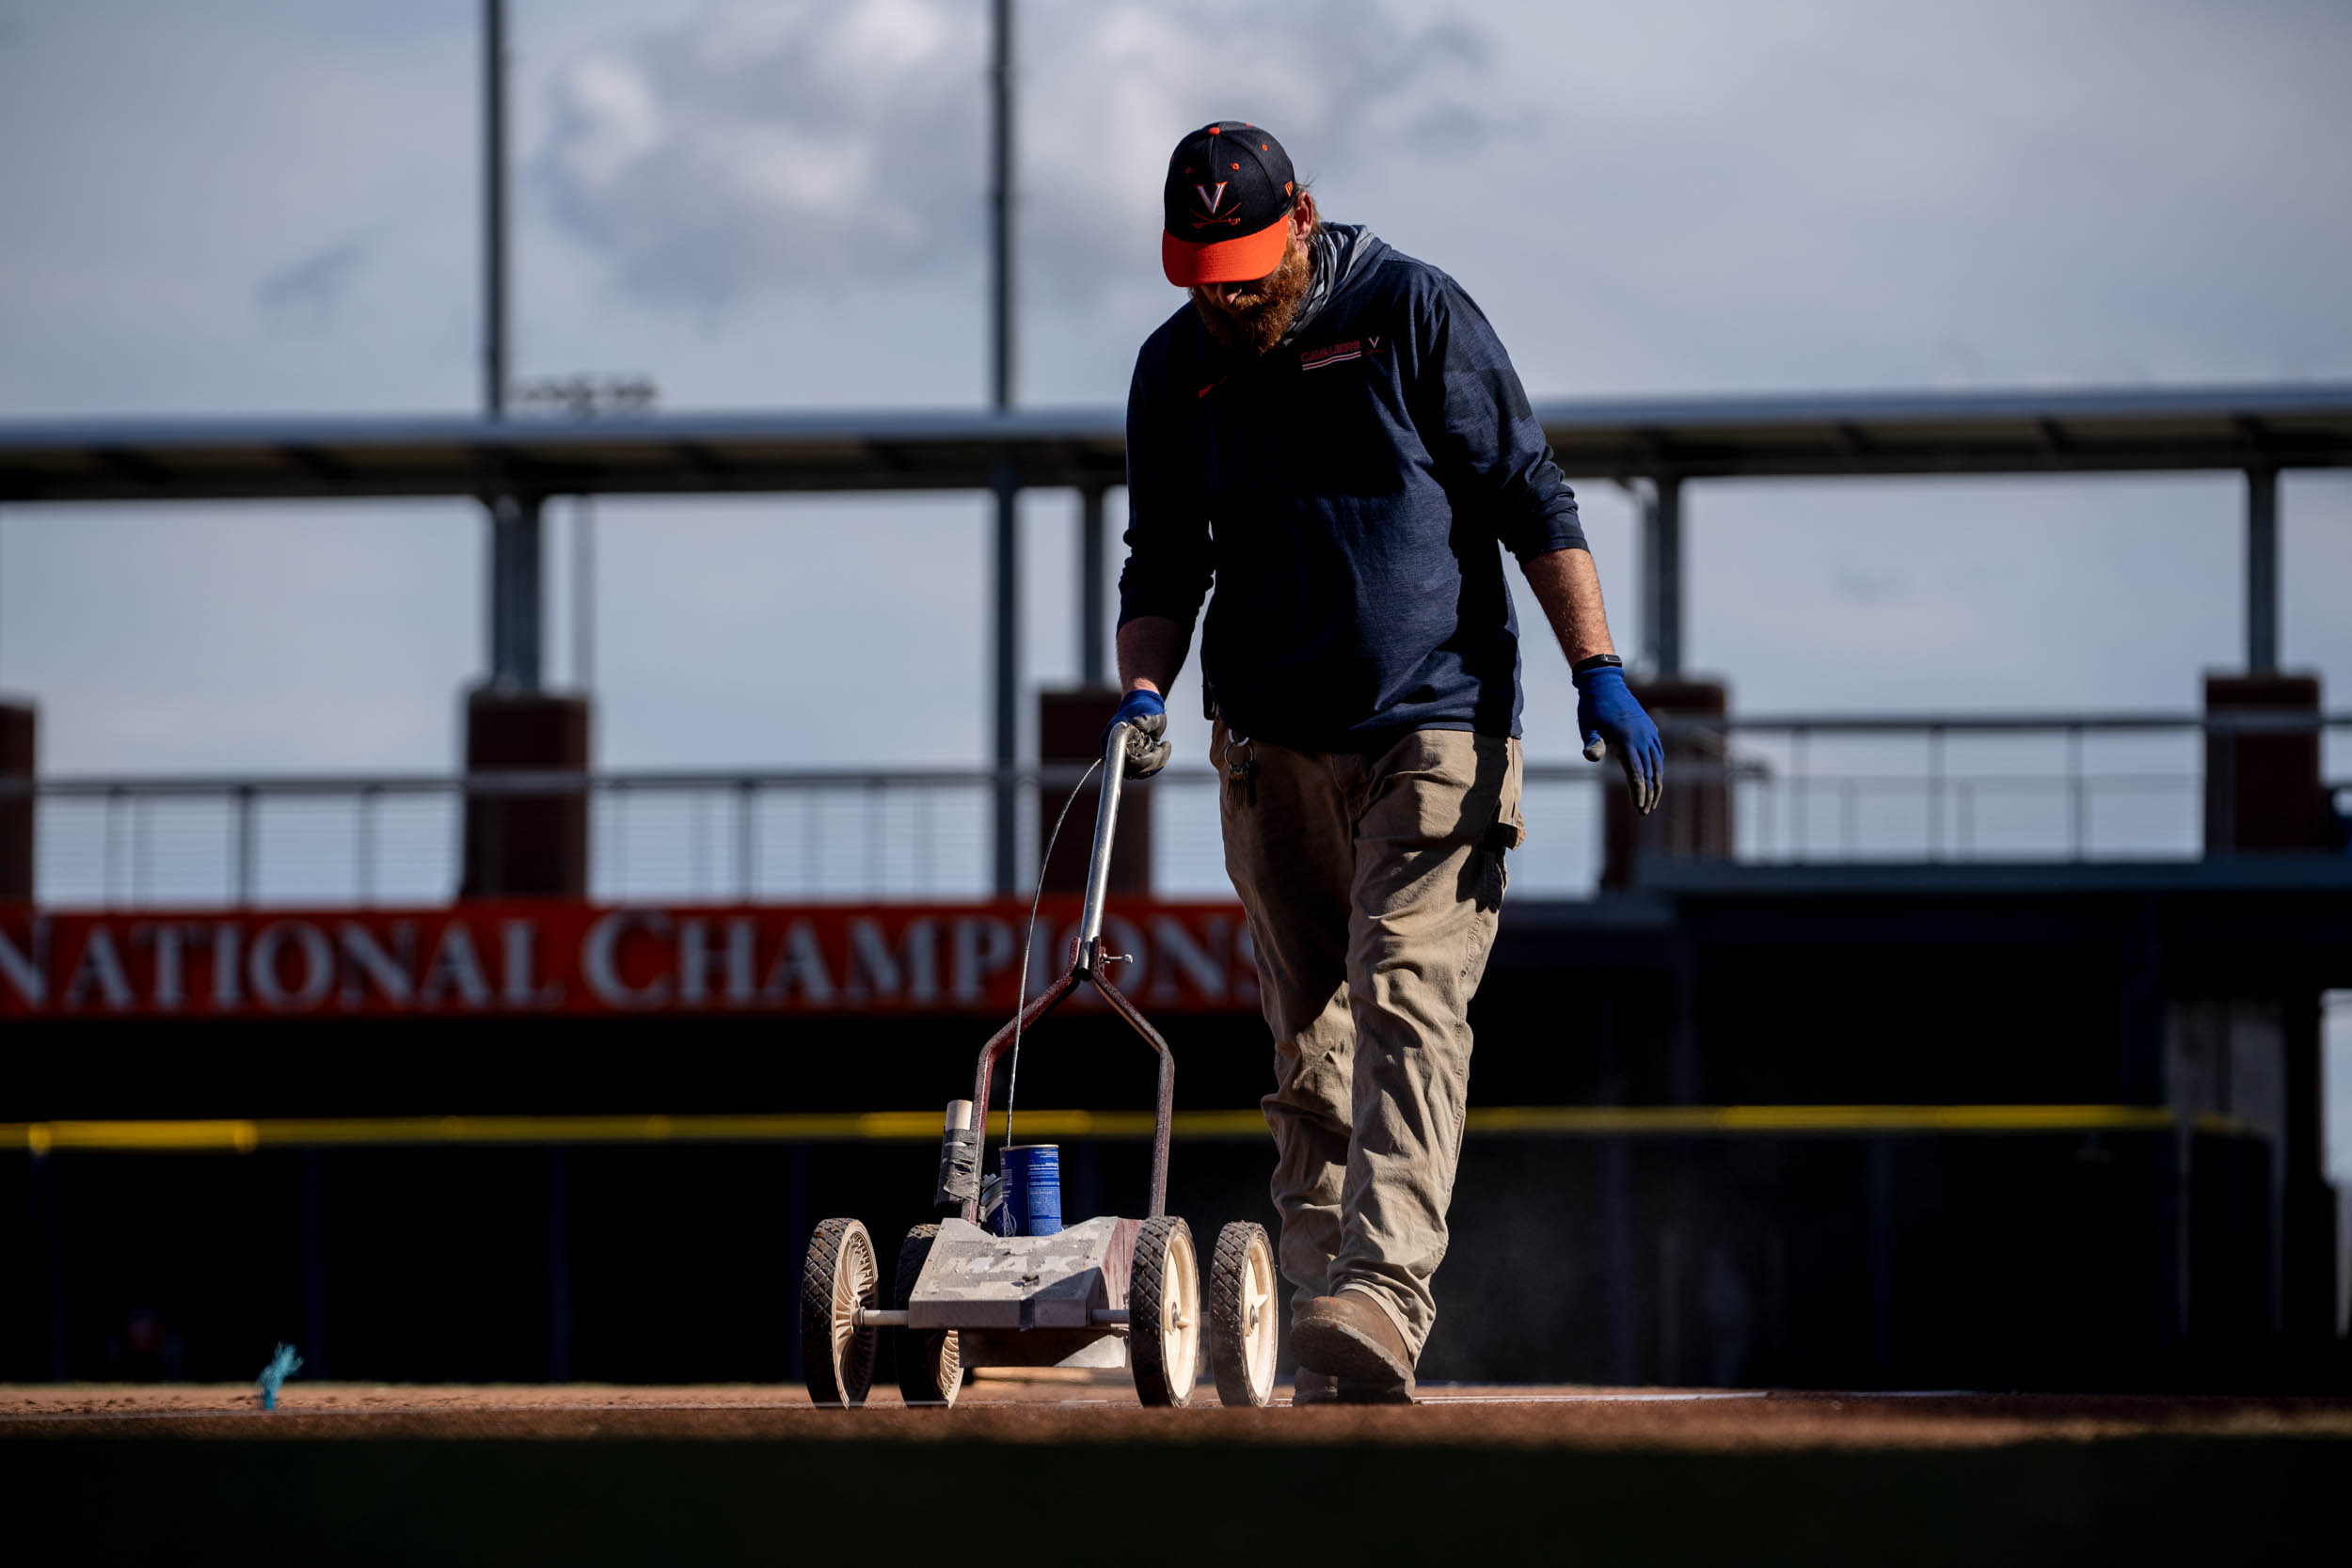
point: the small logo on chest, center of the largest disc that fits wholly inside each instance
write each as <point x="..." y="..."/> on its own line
<point x="1338" y="353"/>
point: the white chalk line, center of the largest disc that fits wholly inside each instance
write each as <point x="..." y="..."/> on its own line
<point x="233" y="1412"/>
<point x="1625" y="1397"/>
<point x="1641" y="1398"/>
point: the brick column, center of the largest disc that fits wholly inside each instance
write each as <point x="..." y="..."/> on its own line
<point x="2265" y="795"/>
<point x="2262" y="788"/>
<point x="1693" y="815"/>
<point x="526" y="844"/>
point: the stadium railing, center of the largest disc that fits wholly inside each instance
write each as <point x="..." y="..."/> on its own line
<point x="1806" y="790"/>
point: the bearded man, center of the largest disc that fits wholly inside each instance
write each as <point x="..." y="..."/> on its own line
<point x="1328" y="433"/>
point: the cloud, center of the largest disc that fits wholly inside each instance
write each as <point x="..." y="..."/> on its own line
<point x="1865" y="587"/>
<point x="793" y="141"/>
<point x="310" y="289"/>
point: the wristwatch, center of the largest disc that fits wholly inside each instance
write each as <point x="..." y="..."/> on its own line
<point x="1596" y="662"/>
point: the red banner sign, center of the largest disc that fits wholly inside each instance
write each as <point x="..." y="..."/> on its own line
<point x="548" y="956"/>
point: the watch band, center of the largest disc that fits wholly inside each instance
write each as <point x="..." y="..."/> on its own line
<point x="1596" y="662"/>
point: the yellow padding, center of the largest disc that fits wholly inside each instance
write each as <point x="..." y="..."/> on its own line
<point x="238" y="1136"/>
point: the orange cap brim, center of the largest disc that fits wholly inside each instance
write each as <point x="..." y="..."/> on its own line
<point x="1244" y="260"/>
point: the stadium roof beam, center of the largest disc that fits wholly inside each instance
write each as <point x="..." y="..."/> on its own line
<point x="2121" y="431"/>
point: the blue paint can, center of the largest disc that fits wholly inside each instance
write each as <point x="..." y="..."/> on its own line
<point x="1032" y="1188"/>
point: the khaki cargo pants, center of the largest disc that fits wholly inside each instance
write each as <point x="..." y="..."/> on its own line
<point x="1372" y="885"/>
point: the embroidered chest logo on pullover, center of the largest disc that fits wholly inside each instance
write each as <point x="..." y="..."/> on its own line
<point x="1336" y="354"/>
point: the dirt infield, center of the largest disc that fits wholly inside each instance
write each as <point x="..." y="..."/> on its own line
<point x="1095" y="1411"/>
<point x="1034" y="1471"/>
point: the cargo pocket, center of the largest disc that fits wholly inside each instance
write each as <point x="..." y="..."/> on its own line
<point x="1493" y="874"/>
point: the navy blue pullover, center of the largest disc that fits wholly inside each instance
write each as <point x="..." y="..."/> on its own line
<point x="1346" y="494"/>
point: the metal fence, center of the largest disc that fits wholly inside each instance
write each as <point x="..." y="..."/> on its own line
<point x="1800" y="790"/>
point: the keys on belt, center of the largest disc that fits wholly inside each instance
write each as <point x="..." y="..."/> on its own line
<point x="1241" y="765"/>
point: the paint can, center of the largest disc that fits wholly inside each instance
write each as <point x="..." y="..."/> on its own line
<point x="1032" y="1188"/>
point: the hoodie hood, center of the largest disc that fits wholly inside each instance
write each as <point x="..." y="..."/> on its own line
<point x="1341" y="251"/>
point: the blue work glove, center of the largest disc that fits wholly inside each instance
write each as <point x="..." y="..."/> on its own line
<point x="1147" y="753"/>
<point x="1609" y="718"/>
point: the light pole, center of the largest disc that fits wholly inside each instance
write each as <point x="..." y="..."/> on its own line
<point x="516" y="546"/>
<point x="1007" y="555"/>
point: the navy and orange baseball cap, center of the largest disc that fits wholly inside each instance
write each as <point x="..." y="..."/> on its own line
<point x="1230" y="186"/>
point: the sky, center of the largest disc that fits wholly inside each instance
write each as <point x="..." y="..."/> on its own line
<point x="252" y="207"/>
<point x="265" y="206"/>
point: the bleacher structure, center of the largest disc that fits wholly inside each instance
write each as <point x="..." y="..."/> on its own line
<point x="1863" y="1067"/>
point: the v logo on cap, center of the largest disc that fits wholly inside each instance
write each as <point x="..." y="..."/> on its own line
<point x="1211" y="195"/>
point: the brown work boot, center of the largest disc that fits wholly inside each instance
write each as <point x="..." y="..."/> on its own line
<point x="1350" y="1339"/>
<point x="1310" y="1387"/>
<point x="1385" y="1390"/>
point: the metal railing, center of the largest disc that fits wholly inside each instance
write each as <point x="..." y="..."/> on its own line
<point x="1974" y="787"/>
<point x="1800" y="790"/>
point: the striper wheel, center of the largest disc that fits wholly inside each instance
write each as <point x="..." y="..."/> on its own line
<point x="1163" y="1313"/>
<point x="837" y="1283"/>
<point x="1244" y="1314"/>
<point x="931" y="1360"/>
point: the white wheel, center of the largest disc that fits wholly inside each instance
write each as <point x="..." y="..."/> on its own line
<point x="841" y="1276"/>
<point x="931" y="1360"/>
<point x="1163" y="1313"/>
<point x="1244" y="1314"/>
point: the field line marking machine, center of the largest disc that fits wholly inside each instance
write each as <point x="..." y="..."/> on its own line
<point x="1000" y="1281"/>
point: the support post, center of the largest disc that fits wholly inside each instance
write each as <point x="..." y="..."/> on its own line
<point x="516" y="591"/>
<point x="1000" y="197"/>
<point x="559" y="1265"/>
<point x="494" y="208"/>
<point x="315" y="1342"/>
<point x="515" y="844"/>
<point x="1093" y="660"/>
<point x="584" y="595"/>
<point x="1625" y="1317"/>
<point x="2307" y="1223"/>
<point x="1007" y="671"/>
<point x="518" y="845"/>
<point x="1661" y="579"/>
<point x="2262" y="571"/>
<point x="1007" y="803"/>
<point x="2266" y="789"/>
<point x="20" y="724"/>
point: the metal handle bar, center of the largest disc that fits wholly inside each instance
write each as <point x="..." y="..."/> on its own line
<point x="1087" y="965"/>
<point x="1106" y="821"/>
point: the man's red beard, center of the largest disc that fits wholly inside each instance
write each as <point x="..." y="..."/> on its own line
<point x="1256" y="318"/>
